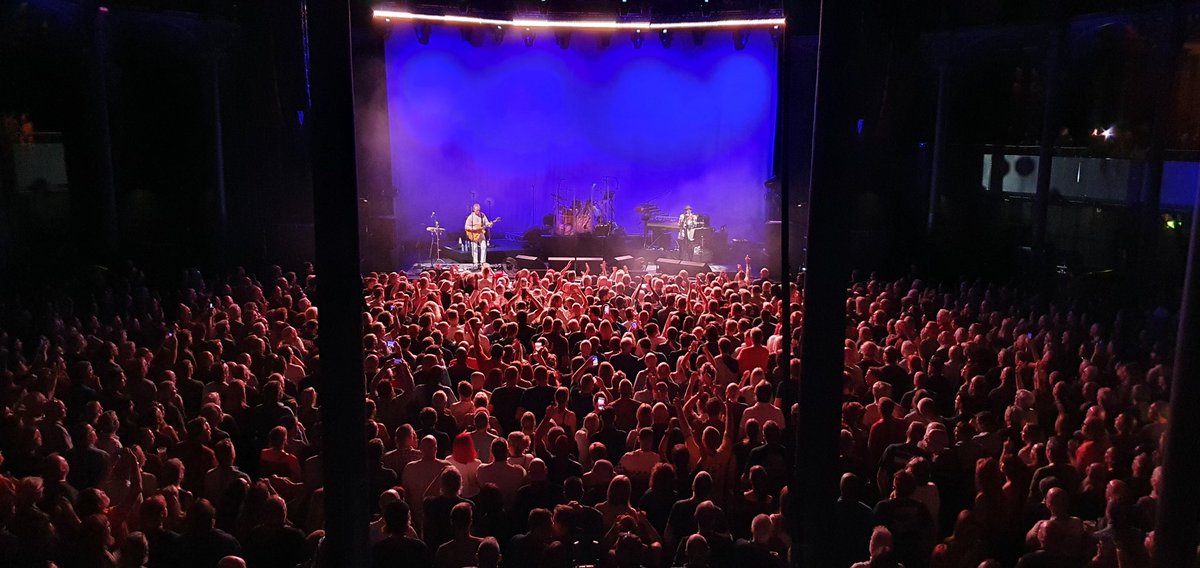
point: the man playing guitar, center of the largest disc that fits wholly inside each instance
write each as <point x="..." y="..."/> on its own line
<point x="688" y="222"/>
<point x="476" y="226"/>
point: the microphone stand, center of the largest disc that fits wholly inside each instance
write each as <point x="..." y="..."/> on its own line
<point x="435" y="241"/>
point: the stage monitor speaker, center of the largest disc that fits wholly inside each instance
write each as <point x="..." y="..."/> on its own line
<point x="694" y="267"/>
<point x="591" y="262"/>
<point x="529" y="262"/>
<point x="667" y="265"/>
<point x="559" y="262"/>
<point x="626" y="260"/>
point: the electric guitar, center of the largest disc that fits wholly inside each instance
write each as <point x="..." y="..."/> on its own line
<point x="476" y="235"/>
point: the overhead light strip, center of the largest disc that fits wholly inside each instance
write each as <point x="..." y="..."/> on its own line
<point x="579" y="24"/>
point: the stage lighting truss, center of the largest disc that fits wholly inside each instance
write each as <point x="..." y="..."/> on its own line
<point x="774" y="21"/>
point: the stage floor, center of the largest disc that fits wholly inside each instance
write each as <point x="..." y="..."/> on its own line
<point x="542" y="251"/>
<point x="651" y="268"/>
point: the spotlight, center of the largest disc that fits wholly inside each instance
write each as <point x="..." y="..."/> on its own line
<point x="1172" y="222"/>
<point x="422" y="29"/>
<point x="665" y="38"/>
<point x="473" y="36"/>
<point x="637" y="38"/>
<point x="498" y="35"/>
<point x="776" y="35"/>
<point x="527" y="35"/>
<point x="1109" y="133"/>
<point x="562" y="38"/>
<point x="739" y="39"/>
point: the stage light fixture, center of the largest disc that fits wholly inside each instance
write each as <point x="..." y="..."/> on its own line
<point x="739" y="39"/>
<point x="473" y="36"/>
<point x="665" y="36"/>
<point x="498" y="35"/>
<point x="527" y="36"/>
<point x="776" y="35"/>
<point x="423" y="29"/>
<point x="637" y="38"/>
<point x="563" y="38"/>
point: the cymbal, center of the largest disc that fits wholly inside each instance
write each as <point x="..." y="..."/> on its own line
<point x="435" y="229"/>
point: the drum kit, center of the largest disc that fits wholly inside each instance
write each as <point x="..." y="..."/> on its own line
<point x="593" y="216"/>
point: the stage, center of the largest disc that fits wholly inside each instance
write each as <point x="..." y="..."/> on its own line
<point x="589" y="151"/>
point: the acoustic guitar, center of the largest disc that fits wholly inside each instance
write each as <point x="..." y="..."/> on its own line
<point x="476" y="235"/>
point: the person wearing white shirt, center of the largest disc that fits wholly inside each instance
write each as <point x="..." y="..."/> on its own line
<point x="482" y="436"/>
<point x="405" y="452"/>
<point x="639" y="463"/>
<point x="508" y="478"/>
<point x="763" y="409"/>
<point x="421" y="474"/>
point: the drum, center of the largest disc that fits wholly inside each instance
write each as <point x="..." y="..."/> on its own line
<point x="584" y="223"/>
<point x="566" y="222"/>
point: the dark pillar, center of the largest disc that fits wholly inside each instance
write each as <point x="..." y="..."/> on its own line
<point x="99" y="137"/>
<point x="214" y="39"/>
<point x="1175" y="533"/>
<point x="1148" y="222"/>
<point x="832" y="179"/>
<point x="347" y="510"/>
<point x="939" y="143"/>
<point x="218" y="147"/>
<point x="1054" y="53"/>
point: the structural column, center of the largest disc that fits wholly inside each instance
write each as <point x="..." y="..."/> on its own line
<point x="834" y="156"/>
<point x="98" y="137"/>
<point x="1054" y="54"/>
<point x="1148" y="224"/>
<point x="939" y="144"/>
<point x="339" y="287"/>
<point x="218" y="147"/>
<point x="1175" y="531"/>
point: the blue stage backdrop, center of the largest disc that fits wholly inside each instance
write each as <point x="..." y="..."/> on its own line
<point x="507" y="125"/>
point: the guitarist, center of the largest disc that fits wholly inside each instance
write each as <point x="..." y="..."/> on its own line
<point x="688" y="222"/>
<point x="475" y="226"/>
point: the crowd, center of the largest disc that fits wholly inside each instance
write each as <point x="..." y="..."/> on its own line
<point x="572" y="418"/>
